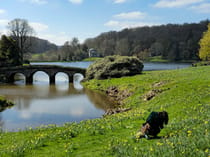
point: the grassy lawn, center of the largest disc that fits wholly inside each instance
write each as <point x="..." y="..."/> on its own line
<point x="185" y="95"/>
<point x="157" y="59"/>
<point x="91" y="59"/>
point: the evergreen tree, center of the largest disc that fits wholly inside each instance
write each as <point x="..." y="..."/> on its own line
<point x="204" y="52"/>
<point x="9" y="52"/>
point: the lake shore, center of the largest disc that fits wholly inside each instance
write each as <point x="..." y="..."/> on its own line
<point x="184" y="95"/>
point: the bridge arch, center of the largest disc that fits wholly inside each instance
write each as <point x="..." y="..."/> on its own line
<point x="29" y="71"/>
<point x="12" y="77"/>
<point x="51" y="76"/>
<point x="62" y="77"/>
<point x="19" y="77"/>
<point x="36" y="76"/>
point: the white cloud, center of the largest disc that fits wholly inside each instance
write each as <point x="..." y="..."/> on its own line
<point x="3" y="31"/>
<point x="76" y="1"/>
<point x="2" y="11"/>
<point x="25" y="115"/>
<point x="129" y="20"/>
<point x="131" y="15"/>
<point x="39" y="2"/>
<point x="3" y="22"/>
<point x="128" y="24"/>
<point x="202" y="8"/>
<point x="119" y="1"/>
<point x="57" y="38"/>
<point x="112" y="23"/>
<point x="38" y="27"/>
<point x="175" y="3"/>
<point x="42" y="31"/>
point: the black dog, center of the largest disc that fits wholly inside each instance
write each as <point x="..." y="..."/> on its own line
<point x="154" y="123"/>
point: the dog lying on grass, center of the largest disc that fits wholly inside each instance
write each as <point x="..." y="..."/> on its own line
<point x="153" y="125"/>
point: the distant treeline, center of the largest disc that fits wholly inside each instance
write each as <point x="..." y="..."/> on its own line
<point x="173" y="42"/>
<point x="41" y="45"/>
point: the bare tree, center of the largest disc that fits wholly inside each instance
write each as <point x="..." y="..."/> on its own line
<point x="21" y="32"/>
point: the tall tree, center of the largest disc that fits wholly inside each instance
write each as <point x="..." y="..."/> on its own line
<point x="73" y="50"/>
<point x="66" y="51"/>
<point x="8" y="52"/>
<point x="204" y="52"/>
<point x="21" y="32"/>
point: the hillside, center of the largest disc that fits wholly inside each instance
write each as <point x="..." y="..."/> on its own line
<point x="173" y="42"/>
<point x="184" y="95"/>
<point x="41" y="46"/>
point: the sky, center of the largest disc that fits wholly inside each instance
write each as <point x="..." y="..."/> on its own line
<point x="59" y="21"/>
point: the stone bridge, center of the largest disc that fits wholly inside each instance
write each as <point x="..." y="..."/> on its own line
<point x="28" y="71"/>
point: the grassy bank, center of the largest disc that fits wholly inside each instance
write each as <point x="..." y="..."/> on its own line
<point x="184" y="93"/>
<point x="91" y="59"/>
<point x="157" y="59"/>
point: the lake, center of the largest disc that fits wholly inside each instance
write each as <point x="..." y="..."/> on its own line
<point x="44" y="104"/>
<point x="147" y="66"/>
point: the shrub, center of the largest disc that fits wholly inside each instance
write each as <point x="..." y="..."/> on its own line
<point x="114" y="67"/>
<point x="202" y="63"/>
<point x="4" y="103"/>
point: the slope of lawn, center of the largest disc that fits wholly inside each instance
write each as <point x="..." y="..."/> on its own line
<point x="183" y="93"/>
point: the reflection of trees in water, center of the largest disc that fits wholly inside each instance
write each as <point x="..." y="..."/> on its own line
<point x="2" y="109"/>
<point x="23" y="95"/>
<point x="22" y="103"/>
<point x="1" y="122"/>
<point x="100" y="100"/>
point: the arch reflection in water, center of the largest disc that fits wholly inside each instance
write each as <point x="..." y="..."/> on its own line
<point x="62" y="82"/>
<point x="76" y="81"/>
<point x="19" y="79"/>
<point x="47" y="104"/>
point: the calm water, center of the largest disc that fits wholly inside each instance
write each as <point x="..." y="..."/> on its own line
<point x="43" y="104"/>
<point x="147" y="66"/>
<point x="49" y="104"/>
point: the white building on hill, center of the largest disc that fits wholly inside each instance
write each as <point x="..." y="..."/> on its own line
<point x="93" y="53"/>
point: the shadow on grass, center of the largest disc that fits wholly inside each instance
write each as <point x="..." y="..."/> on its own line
<point x="153" y="137"/>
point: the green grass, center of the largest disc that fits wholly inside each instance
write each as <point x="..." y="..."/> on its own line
<point x="186" y="97"/>
<point x="91" y="59"/>
<point x="157" y="59"/>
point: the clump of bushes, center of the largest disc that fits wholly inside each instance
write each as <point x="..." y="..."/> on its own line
<point x="202" y="63"/>
<point x="114" y="67"/>
<point x="4" y="103"/>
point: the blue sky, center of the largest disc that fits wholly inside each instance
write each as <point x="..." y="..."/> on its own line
<point x="61" y="20"/>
